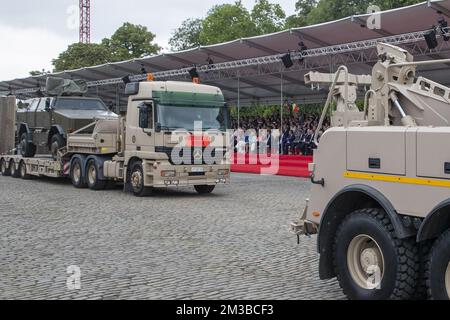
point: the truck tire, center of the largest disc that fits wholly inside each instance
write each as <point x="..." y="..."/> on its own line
<point x="371" y="262"/>
<point x="76" y="174"/>
<point x="204" y="189"/>
<point x="92" y="176"/>
<point x="438" y="269"/>
<point x="137" y="180"/>
<point x="4" y="168"/>
<point x="27" y="149"/>
<point x="56" y="143"/>
<point x="422" y="292"/>
<point x="23" y="171"/>
<point x="14" y="172"/>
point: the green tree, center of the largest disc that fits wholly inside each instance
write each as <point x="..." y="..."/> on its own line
<point x="302" y="9"/>
<point x="227" y="22"/>
<point x="80" y="55"/>
<point x="39" y="73"/>
<point x="187" y="36"/>
<point x="131" y="41"/>
<point x="267" y="17"/>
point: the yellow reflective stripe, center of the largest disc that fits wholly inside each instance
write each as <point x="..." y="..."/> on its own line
<point x="397" y="179"/>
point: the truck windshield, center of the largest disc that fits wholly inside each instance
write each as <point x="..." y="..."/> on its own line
<point x="79" y="104"/>
<point x="173" y="117"/>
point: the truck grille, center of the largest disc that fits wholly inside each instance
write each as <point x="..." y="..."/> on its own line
<point x="195" y="159"/>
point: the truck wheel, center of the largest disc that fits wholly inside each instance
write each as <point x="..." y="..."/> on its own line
<point x="371" y="262"/>
<point x="76" y="174"/>
<point x="92" y="176"/>
<point x="438" y="270"/>
<point x="14" y="172"/>
<point x="137" y="180"/>
<point x="424" y="255"/>
<point x="56" y="143"/>
<point x="23" y="171"/>
<point x="27" y="149"/>
<point x="204" y="189"/>
<point x="4" y="168"/>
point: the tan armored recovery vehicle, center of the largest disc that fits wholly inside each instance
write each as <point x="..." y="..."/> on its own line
<point x="380" y="199"/>
<point x="174" y="135"/>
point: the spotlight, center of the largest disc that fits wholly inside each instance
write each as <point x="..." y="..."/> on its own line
<point x="430" y="38"/>
<point x="287" y="60"/>
<point x="302" y="48"/>
<point x="443" y="28"/>
<point x="126" y="79"/>
<point x="143" y="70"/>
<point x="193" y="73"/>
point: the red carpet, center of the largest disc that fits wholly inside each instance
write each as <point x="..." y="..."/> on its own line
<point x="292" y="166"/>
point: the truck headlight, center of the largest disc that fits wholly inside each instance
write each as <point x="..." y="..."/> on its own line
<point x="168" y="174"/>
<point x="223" y="172"/>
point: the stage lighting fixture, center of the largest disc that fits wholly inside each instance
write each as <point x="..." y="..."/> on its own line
<point x="443" y="28"/>
<point x="126" y="79"/>
<point x="143" y="70"/>
<point x="430" y="38"/>
<point x="193" y="73"/>
<point x="302" y="48"/>
<point x="287" y="60"/>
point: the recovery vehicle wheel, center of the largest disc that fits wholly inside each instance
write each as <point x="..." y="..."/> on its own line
<point x="4" y="168"/>
<point x="56" y="143"/>
<point x="371" y="262"/>
<point x="27" y="149"/>
<point x="204" y="189"/>
<point x="137" y="180"/>
<point x="438" y="269"/>
<point x="92" y="176"/>
<point x="76" y="174"/>
<point x="23" y="171"/>
<point x="14" y="172"/>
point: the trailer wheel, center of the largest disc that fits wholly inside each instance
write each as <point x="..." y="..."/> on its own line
<point x="76" y="174"/>
<point x="23" y="171"/>
<point x="27" y="149"/>
<point x="438" y="269"/>
<point x="204" y="189"/>
<point x="92" y="176"/>
<point x="14" y="172"/>
<point x="371" y="262"/>
<point x="4" y="168"/>
<point x="56" y="143"/>
<point x="137" y="180"/>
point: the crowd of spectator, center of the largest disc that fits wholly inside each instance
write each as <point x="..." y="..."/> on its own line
<point x="258" y="134"/>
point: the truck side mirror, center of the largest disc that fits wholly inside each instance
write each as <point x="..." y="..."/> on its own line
<point x="158" y="127"/>
<point x="47" y="105"/>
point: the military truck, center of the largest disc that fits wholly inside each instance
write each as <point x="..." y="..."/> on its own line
<point x="380" y="198"/>
<point x="157" y="145"/>
<point x="43" y="123"/>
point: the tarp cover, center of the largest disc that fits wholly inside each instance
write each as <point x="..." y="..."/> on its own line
<point x="65" y="87"/>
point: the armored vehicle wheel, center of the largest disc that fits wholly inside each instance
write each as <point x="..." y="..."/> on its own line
<point x="4" y="168"/>
<point x="76" y="174"/>
<point x="23" y="171"/>
<point x="56" y="143"/>
<point x="137" y="180"/>
<point x="438" y="270"/>
<point x="204" y="189"/>
<point x="371" y="262"/>
<point x="92" y="176"/>
<point x="27" y="149"/>
<point x="14" y="172"/>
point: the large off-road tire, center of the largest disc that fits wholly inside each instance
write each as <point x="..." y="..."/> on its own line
<point x="438" y="269"/>
<point x="56" y="142"/>
<point x="371" y="262"/>
<point x="4" y="168"/>
<point x="23" y="171"/>
<point x="137" y="180"/>
<point x="422" y="292"/>
<point x="13" y="169"/>
<point x="93" y="177"/>
<point x="204" y="189"/>
<point x="76" y="174"/>
<point x="26" y="149"/>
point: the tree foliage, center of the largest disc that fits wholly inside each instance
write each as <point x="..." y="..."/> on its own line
<point x="187" y="36"/>
<point x="128" y="42"/>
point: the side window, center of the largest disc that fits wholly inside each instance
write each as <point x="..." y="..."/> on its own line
<point x="146" y="115"/>
<point x="41" y="106"/>
<point x="34" y="104"/>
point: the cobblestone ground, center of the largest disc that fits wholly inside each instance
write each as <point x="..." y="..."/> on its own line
<point x="233" y="244"/>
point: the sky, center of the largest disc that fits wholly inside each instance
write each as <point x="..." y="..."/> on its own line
<point x="35" y="32"/>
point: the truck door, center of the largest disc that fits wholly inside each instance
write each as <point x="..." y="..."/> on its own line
<point x="141" y="131"/>
<point x="42" y="115"/>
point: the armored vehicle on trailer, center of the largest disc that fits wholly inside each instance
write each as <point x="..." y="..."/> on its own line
<point x="380" y="200"/>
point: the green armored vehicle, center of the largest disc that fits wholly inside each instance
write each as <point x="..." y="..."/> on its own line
<point x="43" y="123"/>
